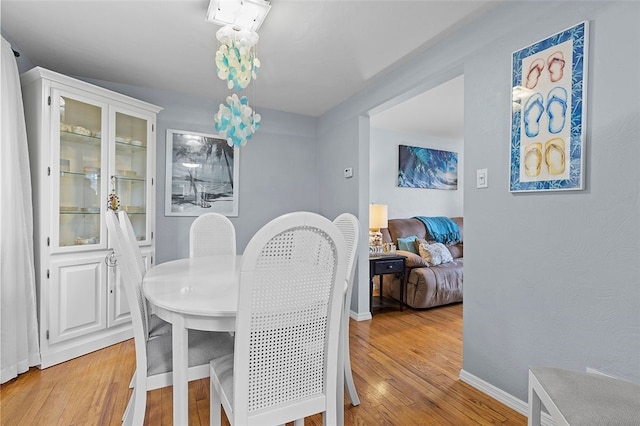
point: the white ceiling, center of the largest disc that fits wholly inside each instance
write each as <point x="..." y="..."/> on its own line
<point x="437" y="112"/>
<point x="315" y="54"/>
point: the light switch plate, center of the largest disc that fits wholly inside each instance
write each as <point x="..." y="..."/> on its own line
<point x="482" y="178"/>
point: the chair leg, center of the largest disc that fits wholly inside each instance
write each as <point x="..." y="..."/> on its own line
<point x="348" y="375"/>
<point x="215" y="402"/>
<point x="348" y="380"/>
<point x="136" y="408"/>
<point x="535" y="405"/>
<point x="126" y="417"/>
<point x="331" y="417"/>
<point x="299" y="422"/>
<point x="132" y="383"/>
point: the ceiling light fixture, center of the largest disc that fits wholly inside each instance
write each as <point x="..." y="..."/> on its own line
<point x="237" y="64"/>
<point x="236" y="121"/>
<point x="243" y="13"/>
<point x="236" y="59"/>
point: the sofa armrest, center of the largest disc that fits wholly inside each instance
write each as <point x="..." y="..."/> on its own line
<point x="457" y="250"/>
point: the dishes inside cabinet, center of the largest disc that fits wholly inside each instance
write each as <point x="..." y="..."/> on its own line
<point x="123" y="140"/>
<point x="86" y="240"/>
<point x="90" y="210"/>
<point x="133" y="209"/>
<point x="127" y="173"/>
<point x="136" y="142"/>
<point x="92" y="170"/>
<point x="69" y="209"/>
<point x="79" y="130"/>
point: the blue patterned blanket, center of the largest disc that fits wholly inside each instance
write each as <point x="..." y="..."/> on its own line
<point x="441" y="229"/>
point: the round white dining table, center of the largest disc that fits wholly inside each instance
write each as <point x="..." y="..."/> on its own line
<point x="196" y="293"/>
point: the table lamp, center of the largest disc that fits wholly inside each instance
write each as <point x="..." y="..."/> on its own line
<point x="378" y="219"/>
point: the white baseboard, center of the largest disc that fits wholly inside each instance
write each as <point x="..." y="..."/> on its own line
<point x="57" y="353"/>
<point x="364" y="316"/>
<point x="494" y="392"/>
<point x="501" y="396"/>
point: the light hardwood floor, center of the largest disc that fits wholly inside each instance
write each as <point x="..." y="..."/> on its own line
<point x="405" y="365"/>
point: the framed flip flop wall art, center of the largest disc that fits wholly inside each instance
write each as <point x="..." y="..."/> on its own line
<point x="548" y="113"/>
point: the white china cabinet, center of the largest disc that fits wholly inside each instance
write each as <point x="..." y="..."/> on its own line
<point x="85" y="143"/>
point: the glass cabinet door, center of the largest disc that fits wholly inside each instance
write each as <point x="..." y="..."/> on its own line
<point x="130" y="174"/>
<point x="79" y="162"/>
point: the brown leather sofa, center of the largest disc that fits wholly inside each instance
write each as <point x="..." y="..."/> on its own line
<point x="425" y="286"/>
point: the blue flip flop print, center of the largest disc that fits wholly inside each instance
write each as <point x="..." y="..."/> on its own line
<point x="533" y="110"/>
<point x="557" y="109"/>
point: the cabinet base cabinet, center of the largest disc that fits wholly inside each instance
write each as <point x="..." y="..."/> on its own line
<point x="83" y="308"/>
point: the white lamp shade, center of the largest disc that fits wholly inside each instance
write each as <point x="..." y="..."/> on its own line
<point x="378" y="217"/>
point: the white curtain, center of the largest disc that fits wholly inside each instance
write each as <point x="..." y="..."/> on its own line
<point x="18" y="320"/>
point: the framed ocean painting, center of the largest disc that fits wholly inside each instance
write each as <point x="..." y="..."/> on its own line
<point x="548" y="86"/>
<point x="427" y="168"/>
<point x="202" y="175"/>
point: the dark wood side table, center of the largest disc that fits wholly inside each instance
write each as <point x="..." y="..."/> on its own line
<point x="383" y="264"/>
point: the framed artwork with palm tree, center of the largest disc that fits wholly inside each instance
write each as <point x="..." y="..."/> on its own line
<point x="202" y="174"/>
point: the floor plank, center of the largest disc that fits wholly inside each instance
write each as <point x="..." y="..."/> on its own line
<point x="405" y="367"/>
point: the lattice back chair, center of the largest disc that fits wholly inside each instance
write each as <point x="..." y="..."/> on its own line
<point x="153" y="356"/>
<point x="155" y="325"/>
<point x="349" y="225"/>
<point x="581" y="398"/>
<point x="130" y="237"/>
<point x="211" y="234"/>
<point x="285" y="359"/>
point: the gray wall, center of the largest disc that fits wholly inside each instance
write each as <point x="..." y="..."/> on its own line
<point x="278" y="167"/>
<point x="408" y="202"/>
<point x="338" y="148"/>
<point x="550" y="278"/>
<point x="553" y="278"/>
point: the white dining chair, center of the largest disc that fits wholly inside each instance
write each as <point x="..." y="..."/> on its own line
<point x="130" y="238"/>
<point x="155" y="325"/>
<point x="581" y="398"/>
<point x="284" y="365"/>
<point x="153" y="356"/>
<point x="211" y="234"/>
<point x="349" y="225"/>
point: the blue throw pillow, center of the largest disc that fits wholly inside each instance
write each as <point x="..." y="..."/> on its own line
<point x="408" y="244"/>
